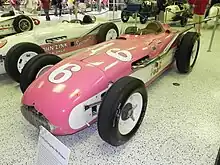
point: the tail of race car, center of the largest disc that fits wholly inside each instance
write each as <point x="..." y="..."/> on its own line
<point x="36" y="21"/>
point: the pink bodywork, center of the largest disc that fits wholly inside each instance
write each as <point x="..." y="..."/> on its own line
<point x="56" y="101"/>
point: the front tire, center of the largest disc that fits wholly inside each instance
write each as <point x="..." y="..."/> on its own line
<point x="36" y="67"/>
<point x="187" y="52"/>
<point x="118" y="107"/>
<point x="18" y="56"/>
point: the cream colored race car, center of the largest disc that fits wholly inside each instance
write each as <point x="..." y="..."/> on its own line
<point x="62" y="40"/>
<point x="213" y="13"/>
<point x="12" y="22"/>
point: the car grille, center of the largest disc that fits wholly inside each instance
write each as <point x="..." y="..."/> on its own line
<point x="34" y="117"/>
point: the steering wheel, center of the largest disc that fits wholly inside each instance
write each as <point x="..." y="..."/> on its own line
<point x="65" y="21"/>
<point x="72" y="21"/>
<point x="75" y="21"/>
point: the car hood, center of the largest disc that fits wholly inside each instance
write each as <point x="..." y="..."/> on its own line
<point x="57" y="100"/>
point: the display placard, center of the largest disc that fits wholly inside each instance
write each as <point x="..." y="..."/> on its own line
<point x="51" y="151"/>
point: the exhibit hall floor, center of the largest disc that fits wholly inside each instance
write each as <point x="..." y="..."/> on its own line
<point x="181" y="126"/>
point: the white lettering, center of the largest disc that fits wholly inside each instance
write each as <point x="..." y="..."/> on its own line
<point x="122" y="55"/>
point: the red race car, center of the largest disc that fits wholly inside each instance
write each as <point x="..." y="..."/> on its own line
<point x="105" y="82"/>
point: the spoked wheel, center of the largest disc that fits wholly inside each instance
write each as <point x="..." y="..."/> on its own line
<point x="37" y="66"/>
<point x="22" y="23"/>
<point x="122" y="110"/>
<point x="187" y="52"/>
<point x="143" y="19"/>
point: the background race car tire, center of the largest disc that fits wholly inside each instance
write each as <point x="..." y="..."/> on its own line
<point x="217" y="160"/>
<point x="32" y="68"/>
<point x="13" y="55"/>
<point x="184" y="52"/>
<point x="184" y="19"/>
<point x="111" y="110"/>
<point x="104" y="29"/>
<point x="143" y="19"/>
<point x="16" y="23"/>
<point x="124" y="16"/>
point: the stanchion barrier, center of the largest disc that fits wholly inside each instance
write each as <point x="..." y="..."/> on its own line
<point x="113" y="9"/>
<point x="213" y="32"/>
<point x="136" y="15"/>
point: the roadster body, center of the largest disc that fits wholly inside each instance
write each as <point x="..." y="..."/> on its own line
<point x="105" y="82"/>
<point x="67" y="37"/>
<point x="13" y="22"/>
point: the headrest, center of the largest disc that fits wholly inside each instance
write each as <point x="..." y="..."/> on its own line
<point x="88" y="19"/>
<point x="154" y="25"/>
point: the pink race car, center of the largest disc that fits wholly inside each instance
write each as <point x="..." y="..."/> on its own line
<point x="106" y="82"/>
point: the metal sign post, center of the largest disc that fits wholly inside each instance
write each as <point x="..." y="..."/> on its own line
<point x="113" y="9"/>
<point x="76" y="9"/>
<point x="136" y="19"/>
<point x="213" y="32"/>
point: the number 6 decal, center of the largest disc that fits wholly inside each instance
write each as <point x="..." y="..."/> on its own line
<point x="63" y="73"/>
<point x="122" y="55"/>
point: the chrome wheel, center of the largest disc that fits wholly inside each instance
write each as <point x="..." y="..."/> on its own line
<point x="111" y="34"/>
<point x="24" y="58"/>
<point x="130" y="113"/>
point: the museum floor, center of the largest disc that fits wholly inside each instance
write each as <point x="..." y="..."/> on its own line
<point x="181" y="126"/>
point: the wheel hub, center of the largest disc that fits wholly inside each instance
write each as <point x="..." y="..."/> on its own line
<point x="130" y="113"/>
<point x="127" y="111"/>
<point x="24" y="25"/>
<point x="24" y="58"/>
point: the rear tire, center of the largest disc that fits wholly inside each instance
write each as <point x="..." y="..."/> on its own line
<point x="14" y="60"/>
<point x="185" y="56"/>
<point x="34" y="66"/>
<point x="22" y="23"/>
<point x="107" y="32"/>
<point x="124" y="16"/>
<point x="114" y="110"/>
